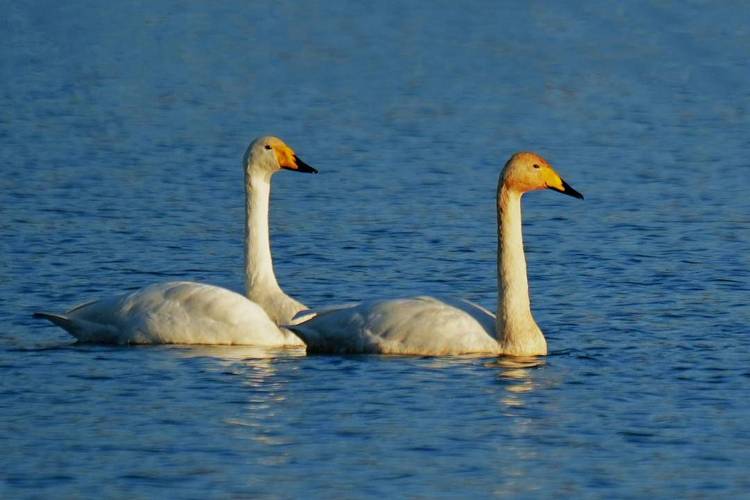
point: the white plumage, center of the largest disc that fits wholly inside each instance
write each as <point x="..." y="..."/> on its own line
<point x="193" y="313"/>
<point x="417" y="325"/>
<point x="428" y="326"/>
<point x="178" y="312"/>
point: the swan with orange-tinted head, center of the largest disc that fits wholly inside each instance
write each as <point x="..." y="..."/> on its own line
<point x="434" y="327"/>
<point x="194" y="313"/>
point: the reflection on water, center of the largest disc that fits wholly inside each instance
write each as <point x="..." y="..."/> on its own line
<point x="255" y="368"/>
<point x="232" y="354"/>
<point x="516" y="374"/>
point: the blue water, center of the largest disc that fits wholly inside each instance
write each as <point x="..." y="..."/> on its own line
<point x="122" y="127"/>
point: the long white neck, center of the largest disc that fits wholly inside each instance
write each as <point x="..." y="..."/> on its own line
<point x="259" y="274"/>
<point x="260" y="280"/>
<point x="517" y="332"/>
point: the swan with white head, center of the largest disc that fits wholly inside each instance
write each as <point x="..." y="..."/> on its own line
<point x="184" y="312"/>
<point x="432" y="327"/>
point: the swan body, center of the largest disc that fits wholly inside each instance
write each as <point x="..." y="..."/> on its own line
<point x="417" y="325"/>
<point x="194" y="313"/>
<point x="177" y="312"/>
<point x="432" y="327"/>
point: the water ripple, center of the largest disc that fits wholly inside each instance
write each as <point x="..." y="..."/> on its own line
<point x="122" y="131"/>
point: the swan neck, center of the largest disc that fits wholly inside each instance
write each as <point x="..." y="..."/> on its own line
<point x="516" y="330"/>
<point x="259" y="273"/>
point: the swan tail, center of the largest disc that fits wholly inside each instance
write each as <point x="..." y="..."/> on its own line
<point x="307" y="314"/>
<point x="79" y="329"/>
<point x="62" y="321"/>
<point x="301" y="317"/>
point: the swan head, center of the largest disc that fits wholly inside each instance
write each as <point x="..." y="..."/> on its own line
<point x="526" y="171"/>
<point x="270" y="154"/>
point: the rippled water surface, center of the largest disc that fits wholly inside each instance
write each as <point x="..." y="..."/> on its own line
<point x="122" y="127"/>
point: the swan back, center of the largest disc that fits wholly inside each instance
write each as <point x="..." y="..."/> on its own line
<point x="419" y="325"/>
<point x="176" y="313"/>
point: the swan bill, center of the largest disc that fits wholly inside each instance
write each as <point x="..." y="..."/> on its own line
<point x="300" y="166"/>
<point x="567" y="189"/>
<point x="288" y="159"/>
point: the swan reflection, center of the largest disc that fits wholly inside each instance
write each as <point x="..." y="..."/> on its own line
<point x="256" y="366"/>
<point x="240" y="353"/>
<point x="516" y="375"/>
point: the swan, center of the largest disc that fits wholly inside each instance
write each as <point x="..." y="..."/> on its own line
<point x="184" y="312"/>
<point x="433" y="327"/>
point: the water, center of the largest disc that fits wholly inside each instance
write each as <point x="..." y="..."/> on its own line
<point x="122" y="128"/>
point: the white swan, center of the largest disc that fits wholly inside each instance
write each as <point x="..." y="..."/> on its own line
<point x="428" y="326"/>
<point x="193" y="313"/>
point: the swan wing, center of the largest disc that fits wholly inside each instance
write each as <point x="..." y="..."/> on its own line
<point x="174" y="313"/>
<point x="418" y="325"/>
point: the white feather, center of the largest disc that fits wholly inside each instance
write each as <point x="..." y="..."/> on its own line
<point x="428" y="326"/>
<point x="177" y="313"/>
<point x="194" y="313"/>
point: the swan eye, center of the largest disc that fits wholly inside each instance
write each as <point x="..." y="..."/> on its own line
<point x="267" y="146"/>
<point x="536" y="166"/>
